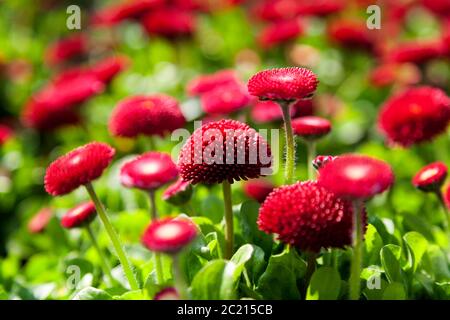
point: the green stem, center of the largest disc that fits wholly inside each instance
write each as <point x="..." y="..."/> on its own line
<point x="153" y="209"/>
<point x="103" y="261"/>
<point x="113" y="237"/>
<point x="311" y="150"/>
<point x="157" y="256"/>
<point x="310" y="268"/>
<point x="290" y="144"/>
<point x="355" y="281"/>
<point x="178" y="278"/>
<point x="446" y="212"/>
<point x="229" y="233"/>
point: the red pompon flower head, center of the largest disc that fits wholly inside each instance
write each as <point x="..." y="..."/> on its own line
<point x="78" y="216"/>
<point x="431" y="177"/>
<point x="149" y="171"/>
<point x="415" y="115"/>
<point x="78" y="167"/>
<point x="225" y="99"/>
<point x="169" y="22"/>
<point x="178" y="193"/>
<point x="209" y="82"/>
<point x="147" y="115"/>
<point x="258" y="189"/>
<point x="320" y="161"/>
<point x="40" y="220"/>
<point x="66" y="49"/>
<point x="284" y="84"/>
<point x="224" y="150"/>
<point x="6" y="133"/>
<point x="311" y="128"/>
<point x="350" y="33"/>
<point x="356" y="177"/>
<point x="169" y="235"/>
<point x="280" y="32"/>
<point x="307" y="216"/>
<point x="167" y="294"/>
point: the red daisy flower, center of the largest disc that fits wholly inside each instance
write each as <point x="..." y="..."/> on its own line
<point x="277" y="10"/>
<point x="307" y="216"/>
<point x="431" y="177"/>
<point x="116" y="13"/>
<point x="280" y="32"/>
<point x="169" y="22"/>
<point x="78" y="167"/>
<point x="258" y="189"/>
<point x="225" y="99"/>
<point x="148" y="171"/>
<point x="415" y="115"/>
<point x="283" y="84"/>
<point x="350" y="33"/>
<point x="40" y="220"/>
<point x="311" y="127"/>
<point x="224" y="150"/>
<point x="416" y="52"/>
<point x="356" y="176"/>
<point x="167" y="294"/>
<point x="106" y="69"/>
<point x="209" y="82"/>
<point x="43" y="118"/>
<point x="169" y="235"/>
<point x="6" y="133"/>
<point x="78" y="216"/>
<point x="67" y="48"/>
<point x="148" y="115"/>
<point x="178" y="193"/>
<point x="320" y="161"/>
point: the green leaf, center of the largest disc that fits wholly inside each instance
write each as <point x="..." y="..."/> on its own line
<point x="394" y="291"/>
<point x="91" y="293"/>
<point x="417" y="246"/>
<point x="390" y="261"/>
<point x="373" y="244"/>
<point x="419" y="224"/>
<point x="247" y="217"/>
<point x="252" y="257"/>
<point x="216" y="280"/>
<point x="212" y="208"/>
<point x="279" y="280"/>
<point x="325" y="284"/>
<point x="132" y="295"/>
<point x="436" y="263"/>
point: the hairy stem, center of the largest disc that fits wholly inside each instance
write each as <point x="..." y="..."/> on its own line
<point x="157" y="256"/>
<point x="355" y="281"/>
<point x="113" y="237"/>
<point x="229" y="233"/>
<point x="178" y="278"/>
<point x="289" y="166"/>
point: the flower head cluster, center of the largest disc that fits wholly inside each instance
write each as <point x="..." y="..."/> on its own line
<point x="356" y="176"/>
<point x="224" y="150"/>
<point x="286" y="84"/>
<point x="308" y="216"/>
<point x="78" y="167"/>
<point x="431" y="177"/>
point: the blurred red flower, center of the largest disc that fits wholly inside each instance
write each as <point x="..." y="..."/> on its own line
<point x="170" y="22"/>
<point x="350" y="33"/>
<point x="40" y="220"/>
<point x="147" y="115"/>
<point x="431" y="177"/>
<point x="209" y="82"/>
<point x="415" y="115"/>
<point x="258" y="189"/>
<point x="280" y="32"/>
<point x="225" y="99"/>
<point x="80" y="215"/>
<point x="6" y="133"/>
<point x="75" y="45"/>
<point x="311" y="127"/>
